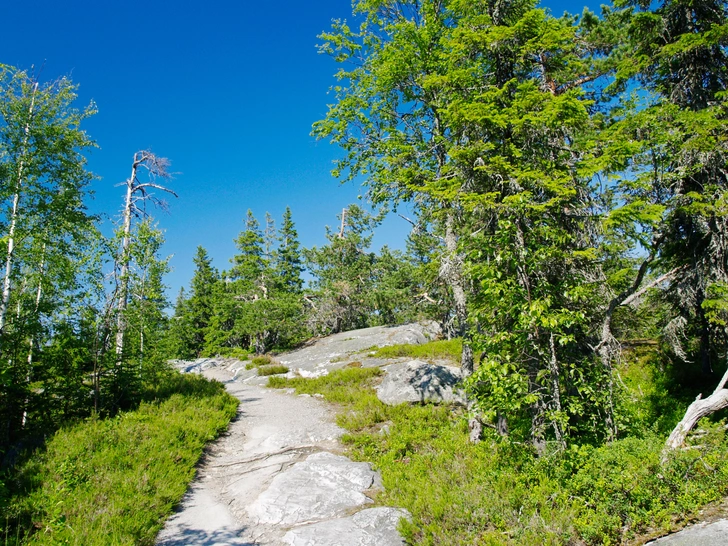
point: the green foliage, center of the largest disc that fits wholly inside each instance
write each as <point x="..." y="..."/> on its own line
<point x="498" y="492"/>
<point x="449" y="349"/>
<point x="50" y="245"/>
<point x="193" y="315"/>
<point x="261" y="360"/>
<point x="114" y="481"/>
<point x="288" y="262"/>
<point x="353" y="287"/>
<point x="475" y="112"/>
<point x="260" y="305"/>
<point x="274" y="369"/>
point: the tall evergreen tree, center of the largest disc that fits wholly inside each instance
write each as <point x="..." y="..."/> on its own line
<point x="288" y="260"/>
<point x="342" y="274"/>
<point x="199" y="307"/>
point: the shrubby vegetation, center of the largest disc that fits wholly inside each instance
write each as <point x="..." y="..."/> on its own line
<point x="496" y="492"/>
<point x="115" y="481"/>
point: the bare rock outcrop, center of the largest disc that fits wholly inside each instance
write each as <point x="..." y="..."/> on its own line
<point x="419" y="381"/>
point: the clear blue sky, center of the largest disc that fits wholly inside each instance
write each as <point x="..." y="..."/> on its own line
<point x="227" y="90"/>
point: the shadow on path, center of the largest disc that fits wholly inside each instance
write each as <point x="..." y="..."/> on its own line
<point x="186" y="535"/>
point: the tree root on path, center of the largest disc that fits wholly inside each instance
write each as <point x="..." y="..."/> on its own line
<point x="313" y="448"/>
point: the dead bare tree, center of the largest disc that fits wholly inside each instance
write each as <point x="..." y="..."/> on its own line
<point x="138" y="193"/>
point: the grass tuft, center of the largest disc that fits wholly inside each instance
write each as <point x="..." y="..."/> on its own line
<point x="450" y="349"/>
<point x="261" y="360"/>
<point x="272" y="370"/>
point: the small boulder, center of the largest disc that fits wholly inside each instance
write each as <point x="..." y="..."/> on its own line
<point x="418" y="381"/>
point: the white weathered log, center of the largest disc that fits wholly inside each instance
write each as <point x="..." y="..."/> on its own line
<point x="696" y="411"/>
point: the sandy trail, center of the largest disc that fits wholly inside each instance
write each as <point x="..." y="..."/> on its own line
<point x="278" y="477"/>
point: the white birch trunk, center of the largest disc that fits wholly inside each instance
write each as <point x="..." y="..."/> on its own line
<point x="14" y="217"/>
<point x="31" y="347"/>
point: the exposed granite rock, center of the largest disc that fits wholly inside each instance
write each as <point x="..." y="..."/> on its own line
<point x="371" y="527"/>
<point x="323" y="355"/>
<point x="702" y="534"/>
<point x="322" y="487"/>
<point x="418" y="381"/>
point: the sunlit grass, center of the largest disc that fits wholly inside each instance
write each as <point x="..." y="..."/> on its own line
<point x="114" y="481"/>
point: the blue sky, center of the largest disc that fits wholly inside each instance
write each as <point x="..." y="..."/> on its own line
<point x="227" y="90"/>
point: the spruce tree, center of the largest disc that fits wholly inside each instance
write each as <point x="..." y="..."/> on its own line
<point x="288" y="260"/>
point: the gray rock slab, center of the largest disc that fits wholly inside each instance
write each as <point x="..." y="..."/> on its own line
<point x="702" y="534"/>
<point x="419" y="381"/>
<point x="370" y="527"/>
<point x="203" y="521"/>
<point x="322" y="487"/>
<point x="329" y="353"/>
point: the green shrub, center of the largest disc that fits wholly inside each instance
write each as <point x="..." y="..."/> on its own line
<point x="272" y="370"/>
<point x="261" y="360"/>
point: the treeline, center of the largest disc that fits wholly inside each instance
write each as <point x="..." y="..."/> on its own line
<point x="575" y="165"/>
<point x="81" y="315"/>
<point x="262" y="302"/>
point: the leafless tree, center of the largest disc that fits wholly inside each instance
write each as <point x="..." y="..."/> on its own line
<point x="138" y="193"/>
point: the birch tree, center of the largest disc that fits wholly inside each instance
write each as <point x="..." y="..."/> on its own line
<point x="46" y="232"/>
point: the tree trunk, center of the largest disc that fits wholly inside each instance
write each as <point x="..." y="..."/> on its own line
<point x="696" y="411"/>
<point x="14" y="216"/>
<point x="555" y="392"/>
<point x="124" y="268"/>
<point x="453" y="273"/>
<point x="38" y="294"/>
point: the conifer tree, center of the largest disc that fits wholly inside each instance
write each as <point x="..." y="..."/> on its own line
<point x="342" y="271"/>
<point x="199" y="307"/>
<point x="288" y="260"/>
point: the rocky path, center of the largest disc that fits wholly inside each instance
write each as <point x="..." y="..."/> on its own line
<point x="278" y="476"/>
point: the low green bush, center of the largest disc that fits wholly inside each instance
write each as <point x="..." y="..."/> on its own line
<point x="114" y="481"/>
<point x="272" y="370"/>
<point x="261" y="360"/>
